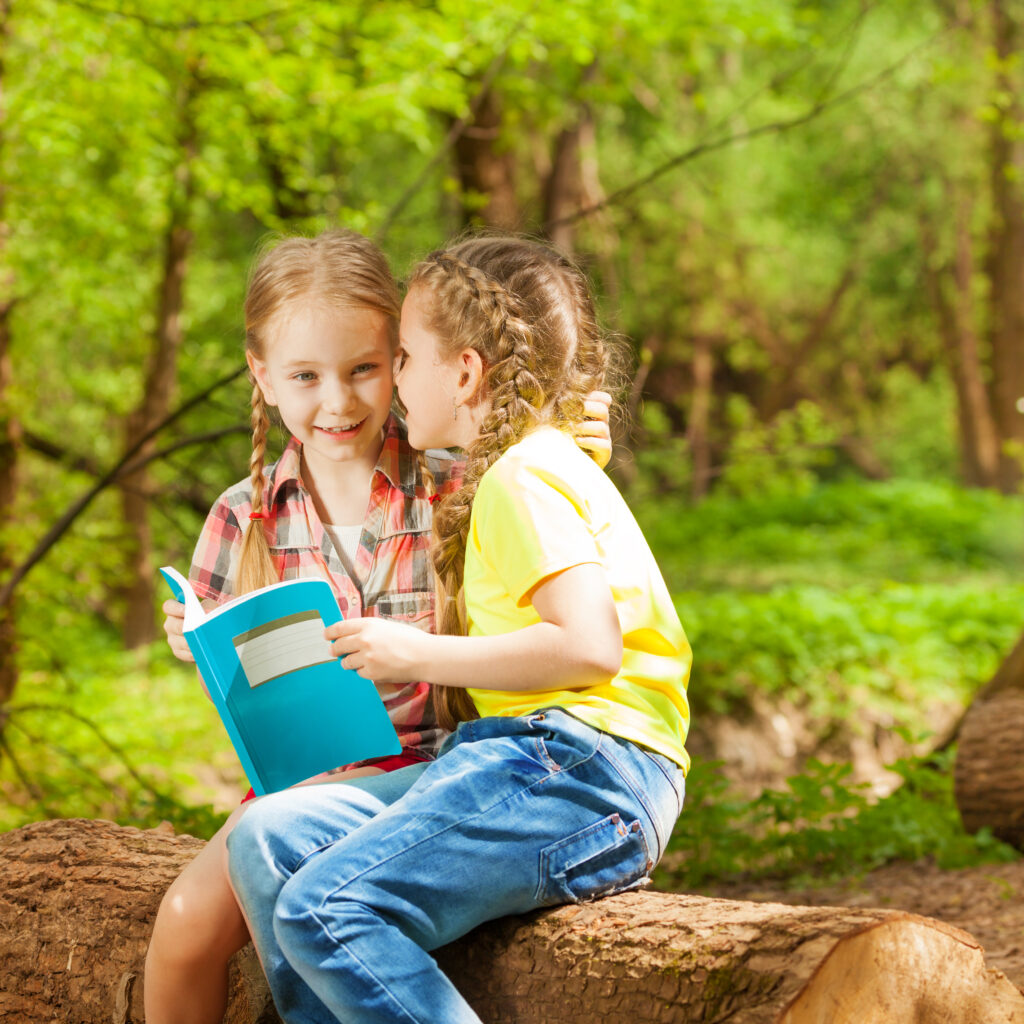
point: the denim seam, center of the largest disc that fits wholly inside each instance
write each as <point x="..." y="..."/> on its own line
<point x="669" y="780"/>
<point x="637" y="790"/>
<point x="348" y="952"/>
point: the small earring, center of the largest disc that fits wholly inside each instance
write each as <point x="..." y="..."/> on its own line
<point x="455" y="410"/>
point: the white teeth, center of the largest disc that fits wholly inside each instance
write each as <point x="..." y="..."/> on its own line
<point x="340" y="430"/>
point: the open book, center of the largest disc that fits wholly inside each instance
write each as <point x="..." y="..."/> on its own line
<point x="289" y="707"/>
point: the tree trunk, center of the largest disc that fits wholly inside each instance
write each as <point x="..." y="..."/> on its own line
<point x="699" y="420"/>
<point x="563" y="188"/>
<point x="1006" y="253"/>
<point x="979" y="441"/>
<point x="486" y="171"/>
<point x="77" y="899"/>
<point x="9" y="426"/>
<point x="139" y="624"/>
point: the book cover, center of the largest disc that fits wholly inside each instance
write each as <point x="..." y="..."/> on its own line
<point x="289" y="708"/>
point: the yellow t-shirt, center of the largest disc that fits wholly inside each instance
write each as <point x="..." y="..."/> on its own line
<point x="544" y="507"/>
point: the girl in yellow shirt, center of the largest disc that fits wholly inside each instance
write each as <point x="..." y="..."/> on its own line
<point x="559" y="662"/>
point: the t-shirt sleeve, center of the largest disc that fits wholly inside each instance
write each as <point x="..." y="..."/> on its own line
<point x="214" y="561"/>
<point x="528" y="525"/>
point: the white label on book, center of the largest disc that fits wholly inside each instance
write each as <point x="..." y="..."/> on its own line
<point x="282" y="646"/>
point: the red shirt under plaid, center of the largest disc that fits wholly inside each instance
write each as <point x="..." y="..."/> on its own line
<point x="392" y="563"/>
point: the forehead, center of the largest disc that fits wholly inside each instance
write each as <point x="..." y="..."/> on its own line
<point x="415" y="328"/>
<point x="315" y="329"/>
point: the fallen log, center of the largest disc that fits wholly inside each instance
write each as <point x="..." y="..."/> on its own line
<point x="988" y="776"/>
<point x="77" y="899"/>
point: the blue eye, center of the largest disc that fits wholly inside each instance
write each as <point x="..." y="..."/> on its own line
<point x="365" y="368"/>
<point x="304" y="376"/>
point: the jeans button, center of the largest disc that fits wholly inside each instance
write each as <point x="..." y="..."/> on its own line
<point x="635" y="827"/>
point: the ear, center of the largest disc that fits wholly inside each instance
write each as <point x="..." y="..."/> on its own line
<point x="470" y="379"/>
<point x="258" y="368"/>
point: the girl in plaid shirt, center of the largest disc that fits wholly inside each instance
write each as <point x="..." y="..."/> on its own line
<point x="348" y="500"/>
<point x="563" y="661"/>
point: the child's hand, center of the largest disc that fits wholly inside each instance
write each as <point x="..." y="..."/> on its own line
<point x="174" y="627"/>
<point x="378" y="649"/>
<point x="593" y="434"/>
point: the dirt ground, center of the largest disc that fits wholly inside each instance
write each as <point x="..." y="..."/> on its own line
<point x="986" y="901"/>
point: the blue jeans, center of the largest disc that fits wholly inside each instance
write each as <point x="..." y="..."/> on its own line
<point x="348" y="888"/>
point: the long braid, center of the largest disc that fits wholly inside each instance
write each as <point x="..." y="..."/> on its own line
<point x="256" y="567"/>
<point x="518" y="402"/>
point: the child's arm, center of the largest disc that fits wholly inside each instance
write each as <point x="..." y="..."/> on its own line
<point x="577" y="643"/>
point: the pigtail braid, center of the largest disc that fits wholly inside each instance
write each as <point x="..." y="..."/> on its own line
<point x="516" y="402"/>
<point x="255" y="565"/>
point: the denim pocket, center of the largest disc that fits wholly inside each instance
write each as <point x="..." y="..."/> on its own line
<point x="602" y="859"/>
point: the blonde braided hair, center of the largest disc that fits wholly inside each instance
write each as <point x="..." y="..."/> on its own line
<point x="339" y="268"/>
<point x="527" y="311"/>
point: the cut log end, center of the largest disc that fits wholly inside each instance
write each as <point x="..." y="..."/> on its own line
<point x="906" y="969"/>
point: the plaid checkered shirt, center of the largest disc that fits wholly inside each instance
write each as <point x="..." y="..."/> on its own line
<point x="392" y="560"/>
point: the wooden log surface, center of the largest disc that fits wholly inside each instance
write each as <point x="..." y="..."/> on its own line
<point x="77" y="900"/>
<point x="988" y="777"/>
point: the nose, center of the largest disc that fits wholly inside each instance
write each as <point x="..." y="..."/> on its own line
<point x="337" y="396"/>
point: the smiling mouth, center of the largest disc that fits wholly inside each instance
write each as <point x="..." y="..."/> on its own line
<point x="349" y="428"/>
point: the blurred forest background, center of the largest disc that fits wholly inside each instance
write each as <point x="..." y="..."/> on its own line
<point x="806" y="217"/>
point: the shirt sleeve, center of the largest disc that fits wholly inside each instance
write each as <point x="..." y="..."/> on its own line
<point x="529" y="524"/>
<point x="215" y="559"/>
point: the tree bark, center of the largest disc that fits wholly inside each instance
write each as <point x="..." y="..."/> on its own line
<point x="988" y="777"/>
<point x="77" y="899"/>
<point x="698" y="423"/>
<point x="979" y="440"/>
<point x="486" y="170"/>
<point x="9" y="426"/>
<point x="1006" y="253"/>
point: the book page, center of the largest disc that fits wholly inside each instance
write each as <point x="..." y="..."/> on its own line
<point x="281" y="646"/>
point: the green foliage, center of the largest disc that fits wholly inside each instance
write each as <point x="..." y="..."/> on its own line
<point x="783" y="457"/>
<point x="836" y="534"/>
<point x="821" y="826"/>
<point x="894" y="648"/>
<point x="127" y="737"/>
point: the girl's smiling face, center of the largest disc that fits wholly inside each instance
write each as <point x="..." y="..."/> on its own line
<point x="330" y="374"/>
<point x="428" y="383"/>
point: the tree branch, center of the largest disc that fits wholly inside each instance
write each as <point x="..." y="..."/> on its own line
<point x="769" y="128"/>
<point x="75" y="509"/>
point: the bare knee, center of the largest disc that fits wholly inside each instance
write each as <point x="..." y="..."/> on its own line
<point x="199" y="917"/>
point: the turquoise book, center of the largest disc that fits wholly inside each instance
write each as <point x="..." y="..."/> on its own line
<point x="289" y="708"/>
